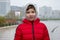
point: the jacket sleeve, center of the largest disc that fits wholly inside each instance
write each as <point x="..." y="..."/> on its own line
<point x="18" y="33"/>
<point x="46" y="34"/>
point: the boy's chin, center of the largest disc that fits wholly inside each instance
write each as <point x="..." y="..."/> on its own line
<point x="31" y="19"/>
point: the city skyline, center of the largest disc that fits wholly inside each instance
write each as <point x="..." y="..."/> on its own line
<point x="50" y="3"/>
<point x="42" y="10"/>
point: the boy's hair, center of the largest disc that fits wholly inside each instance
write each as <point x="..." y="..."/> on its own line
<point x="30" y="6"/>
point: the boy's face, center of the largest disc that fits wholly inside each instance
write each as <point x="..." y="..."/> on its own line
<point x="30" y="14"/>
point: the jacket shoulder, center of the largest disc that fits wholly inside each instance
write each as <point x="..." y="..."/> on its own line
<point x="43" y="25"/>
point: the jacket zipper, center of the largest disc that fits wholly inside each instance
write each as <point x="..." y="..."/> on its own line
<point x="33" y="31"/>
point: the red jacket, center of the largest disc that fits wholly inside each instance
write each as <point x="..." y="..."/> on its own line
<point x="31" y="31"/>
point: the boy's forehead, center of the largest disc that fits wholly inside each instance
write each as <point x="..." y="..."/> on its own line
<point x="30" y="10"/>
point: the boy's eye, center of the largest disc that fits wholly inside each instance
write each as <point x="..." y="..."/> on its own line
<point x="32" y="11"/>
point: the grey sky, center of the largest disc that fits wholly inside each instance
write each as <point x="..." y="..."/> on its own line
<point x="55" y="4"/>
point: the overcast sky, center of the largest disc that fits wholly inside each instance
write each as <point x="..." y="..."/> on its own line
<point x="55" y="4"/>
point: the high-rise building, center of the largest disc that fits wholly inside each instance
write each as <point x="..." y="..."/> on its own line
<point x="45" y="12"/>
<point x="56" y="14"/>
<point x="4" y="7"/>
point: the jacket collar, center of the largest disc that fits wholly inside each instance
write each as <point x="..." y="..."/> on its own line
<point x="37" y="20"/>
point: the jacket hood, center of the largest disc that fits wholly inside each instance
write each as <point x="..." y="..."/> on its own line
<point x="37" y="20"/>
